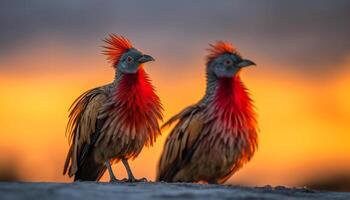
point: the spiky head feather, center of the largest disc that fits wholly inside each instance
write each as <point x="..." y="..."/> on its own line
<point x="220" y="48"/>
<point x="116" y="47"/>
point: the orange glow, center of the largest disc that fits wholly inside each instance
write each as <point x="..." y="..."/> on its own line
<point x="304" y="124"/>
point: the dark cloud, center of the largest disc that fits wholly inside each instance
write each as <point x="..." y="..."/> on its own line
<point x="312" y="34"/>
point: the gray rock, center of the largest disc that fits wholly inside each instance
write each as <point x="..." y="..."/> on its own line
<point x="160" y="190"/>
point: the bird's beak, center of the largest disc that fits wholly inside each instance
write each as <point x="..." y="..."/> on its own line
<point x="145" y="58"/>
<point x="245" y="63"/>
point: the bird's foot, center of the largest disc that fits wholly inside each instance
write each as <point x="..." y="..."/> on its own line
<point x="134" y="180"/>
<point x="115" y="180"/>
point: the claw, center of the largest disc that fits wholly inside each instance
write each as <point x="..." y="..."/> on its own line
<point x="114" y="180"/>
<point x="144" y="180"/>
<point x="131" y="178"/>
<point x="134" y="180"/>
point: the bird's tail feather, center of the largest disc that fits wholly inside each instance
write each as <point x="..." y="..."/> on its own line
<point x="90" y="170"/>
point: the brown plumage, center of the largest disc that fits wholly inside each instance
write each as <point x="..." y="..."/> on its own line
<point x="212" y="139"/>
<point x="113" y="122"/>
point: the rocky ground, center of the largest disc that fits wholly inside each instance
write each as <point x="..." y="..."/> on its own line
<point x="145" y="191"/>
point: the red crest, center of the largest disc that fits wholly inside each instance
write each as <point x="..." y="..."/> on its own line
<point x="116" y="47"/>
<point x="219" y="48"/>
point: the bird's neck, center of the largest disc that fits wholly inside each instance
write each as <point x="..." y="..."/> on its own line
<point x="135" y="95"/>
<point x="133" y="88"/>
<point x="229" y="98"/>
<point x="136" y="106"/>
<point x="220" y="88"/>
<point x="117" y="77"/>
<point x="211" y="87"/>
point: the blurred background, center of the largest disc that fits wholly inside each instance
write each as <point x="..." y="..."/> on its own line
<point x="50" y="53"/>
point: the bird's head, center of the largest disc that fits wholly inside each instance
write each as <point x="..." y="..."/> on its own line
<point x="123" y="55"/>
<point x="224" y="60"/>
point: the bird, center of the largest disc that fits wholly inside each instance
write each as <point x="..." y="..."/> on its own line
<point x="214" y="138"/>
<point x="113" y="122"/>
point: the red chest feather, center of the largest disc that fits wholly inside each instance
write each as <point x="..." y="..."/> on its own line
<point x="137" y="104"/>
<point x="233" y="104"/>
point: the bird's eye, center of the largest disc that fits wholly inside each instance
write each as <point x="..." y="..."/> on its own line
<point x="228" y="62"/>
<point x="129" y="59"/>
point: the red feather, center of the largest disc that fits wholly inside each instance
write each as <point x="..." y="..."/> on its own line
<point x="219" y="48"/>
<point x="138" y="103"/>
<point x="234" y="106"/>
<point x="116" y="47"/>
<point x="235" y="111"/>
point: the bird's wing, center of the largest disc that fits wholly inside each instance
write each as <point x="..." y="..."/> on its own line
<point x="181" y="143"/>
<point x="83" y="126"/>
<point x="178" y="116"/>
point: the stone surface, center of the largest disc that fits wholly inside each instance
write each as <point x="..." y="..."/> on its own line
<point x="144" y="191"/>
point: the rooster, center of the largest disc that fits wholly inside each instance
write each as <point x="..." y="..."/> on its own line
<point x="214" y="138"/>
<point x="113" y="122"/>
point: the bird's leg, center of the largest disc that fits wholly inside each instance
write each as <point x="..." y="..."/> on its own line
<point x="113" y="179"/>
<point x="131" y="177"/>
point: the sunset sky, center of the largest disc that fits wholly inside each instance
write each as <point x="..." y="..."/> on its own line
<point x="50" y="53"/>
